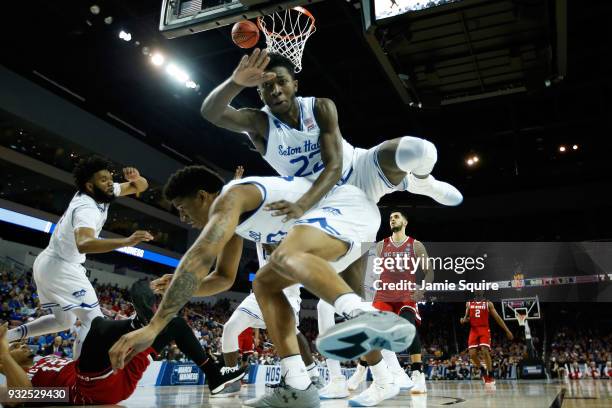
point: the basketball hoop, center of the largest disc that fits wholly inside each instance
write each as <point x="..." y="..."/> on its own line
<point x="287" y="31"/>
<point x="521" y="317"/>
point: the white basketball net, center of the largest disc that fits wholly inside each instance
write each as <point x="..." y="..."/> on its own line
<point x="287" y="32"/>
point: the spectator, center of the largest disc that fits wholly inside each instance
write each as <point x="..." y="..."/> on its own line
<point x="55" y="348"/>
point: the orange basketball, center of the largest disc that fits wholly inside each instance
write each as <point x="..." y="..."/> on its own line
<point x="245" y="34"/>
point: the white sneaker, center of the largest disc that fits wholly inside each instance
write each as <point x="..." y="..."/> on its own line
<point x="418" y="378"/>
<point x="402" y="379"/>
<point x="358" y="377"/>
<point x="336" y="389"/>
<point x="440" y="191"/>
<point x="375" y="394"/>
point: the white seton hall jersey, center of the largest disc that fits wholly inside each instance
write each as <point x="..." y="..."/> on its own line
<point x="83" y="212"/>
<point x="260" y="225"/>
<point x="296" y="152"/>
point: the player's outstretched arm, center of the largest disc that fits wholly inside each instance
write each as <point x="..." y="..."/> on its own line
<point x="216" y="107"/>
<point x="134" y="184"/>
<point x="87" y="243"/>
<point x="16" y="377"/>
<point x="499" y="320"/>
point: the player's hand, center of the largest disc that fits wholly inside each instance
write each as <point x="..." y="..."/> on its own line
<point x="4" y="344"/>
<point x="131" y="173"/>
<point x="510" y="335"/>
<point x="159" y="285"/>
<point x="464" y="320"/>
<point x="238" y="173"/>
<point x="250" y="71"/>
<point x="137" y="237"/>
<point x="129" y="345"/>
<point x="283" y="207"/>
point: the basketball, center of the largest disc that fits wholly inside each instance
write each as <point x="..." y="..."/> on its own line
<point x="245" y="34"/>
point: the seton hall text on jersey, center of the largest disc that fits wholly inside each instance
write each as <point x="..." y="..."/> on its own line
<point x="307" y="147"/>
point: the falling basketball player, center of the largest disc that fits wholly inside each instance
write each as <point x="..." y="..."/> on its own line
<point x="401" y="302"/>
<point x="330" y="232"/>
<point x="477" y="313"/>
<point x="61" y="281"/>
<point x="90" y="378"/>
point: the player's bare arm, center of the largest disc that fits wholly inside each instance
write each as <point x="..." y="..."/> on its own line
<point x="216" y="107"/>
<point x="219" y="280"/>
<point x="331" y="156"/>
<point x="428" y="273"/>
<point x="16" y="377"/>
<point x="499" y="320"/>
<point x="466" y="317"/>
<point x="134" y="184"/>
<point x="87" y="243"/>
<point x="194" y="267"/>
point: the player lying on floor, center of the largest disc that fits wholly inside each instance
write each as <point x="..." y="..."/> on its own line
<point x="90" y="379"/>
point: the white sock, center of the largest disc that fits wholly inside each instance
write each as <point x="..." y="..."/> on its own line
<point x="334" y="368"/>
<point x="294" y="372"/>
<point x="346" y="304"/>
<point x="313" y="371"/>
<point x="391" y="360"/>
<point x="39" y="327"/>
<point x="380" y="373"/>
<point x="415" y="155"/>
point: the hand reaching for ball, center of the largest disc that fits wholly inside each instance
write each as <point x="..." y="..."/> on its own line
<point x="250" y="71"/>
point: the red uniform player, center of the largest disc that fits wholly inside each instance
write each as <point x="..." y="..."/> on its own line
<point x="477" y="313"/>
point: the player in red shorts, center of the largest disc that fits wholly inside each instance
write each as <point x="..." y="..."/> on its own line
<point x="477" y="313"/>
<point x="401" y="302"/>
<point x="90" y="378"/>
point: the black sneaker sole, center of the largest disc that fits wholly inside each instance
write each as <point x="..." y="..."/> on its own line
<point x="143" y="299"/>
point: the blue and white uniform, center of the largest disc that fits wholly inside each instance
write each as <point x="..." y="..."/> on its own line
<point x="344" y="213"/>
<point x="297" y="152"/>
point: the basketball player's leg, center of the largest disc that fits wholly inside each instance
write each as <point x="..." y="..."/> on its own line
<point x="57" y="321"/>
<point x="414" y="158"/>
<point x="238" y="322"/>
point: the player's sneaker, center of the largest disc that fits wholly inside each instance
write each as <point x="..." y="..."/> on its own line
<point x="489" y="380"/>
<point x="223" y="378"/>
<point x="317" y="382"/>
<point x="143" y="300"/>
<point x="358" y="377"/>
<point x="402" y="379"/>
<point x="285" y="396"/>
<point x="440" y="191"/>
<point x="230" y="390"/>
<point x="418" y="378"/>
<point x="365" y="332"/>
<point x="336" y="389"/>
<point x="374" y="395"/>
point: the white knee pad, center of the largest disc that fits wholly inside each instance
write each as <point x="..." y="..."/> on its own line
<point x="415" y="155"/>
<point x="325" y="315"/>
<point x="231" y="330"/>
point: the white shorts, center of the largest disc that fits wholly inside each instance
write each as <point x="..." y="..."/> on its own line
<point x="61" y="284"/>
<point x="345" y="213"/>
<point x="366" y="174"/>
<point x="250" y="308"/>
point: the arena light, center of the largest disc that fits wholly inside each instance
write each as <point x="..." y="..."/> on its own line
<point x="562" y="149"/>
<point x="158" y="59"/>
<point x="470" y="162"/>
<point x="476" y="159"/>
<point x="191" y="85"/>
<point x="575" y="147"/>
<point x="125" y="36"/>
<point x="41" y="225"/>
<point x="177" y="73"/>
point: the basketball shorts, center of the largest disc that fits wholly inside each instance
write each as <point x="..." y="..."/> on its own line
<point x="479" y="336"/>
<point x="61" y="284"/>
<point x="251" y="315"/>
<point x="367" y="175"/>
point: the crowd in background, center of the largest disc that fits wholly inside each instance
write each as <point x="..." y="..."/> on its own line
<point x="574" y="352"/>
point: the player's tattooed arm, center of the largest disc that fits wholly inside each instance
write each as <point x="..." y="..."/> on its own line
<point x="196" y="263"/>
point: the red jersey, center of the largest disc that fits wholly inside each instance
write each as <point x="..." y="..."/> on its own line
<point x="405" y="251"/>
<point x="479" y="314"/>
<point x="89" y="388"/>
